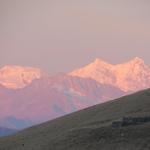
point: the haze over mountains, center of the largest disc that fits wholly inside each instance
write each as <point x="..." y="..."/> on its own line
<point x="6" y="131"/>
<point x="29" y="95"/>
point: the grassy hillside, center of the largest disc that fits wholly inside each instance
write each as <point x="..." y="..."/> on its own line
<point x="89" y="129"/>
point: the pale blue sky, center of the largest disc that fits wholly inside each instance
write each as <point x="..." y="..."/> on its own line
<point x="60" y="35"/>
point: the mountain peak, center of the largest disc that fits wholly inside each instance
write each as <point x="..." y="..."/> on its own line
<point x="10" y="70"/>
<point x="129" y="76"/>
<point x="137" y="60"/>
<point x="98" y="60"/>
<point x="13" y="76"/>
<point x="15" y="67"/>
<point x="100" y="63"/>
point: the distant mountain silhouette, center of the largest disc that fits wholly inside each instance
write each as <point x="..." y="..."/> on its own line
<point x="6" y="131"/>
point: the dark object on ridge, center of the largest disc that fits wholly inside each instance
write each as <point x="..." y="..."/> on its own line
<point x="126" y="121"/>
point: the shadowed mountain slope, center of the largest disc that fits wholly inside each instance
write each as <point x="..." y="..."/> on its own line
<point x="48" y="98"/>
<point x="89" y="129"/>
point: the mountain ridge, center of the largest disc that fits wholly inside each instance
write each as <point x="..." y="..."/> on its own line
<point x="118" y="75"/>
<point x="15" y="77"/>
<point x="130" y="76"/>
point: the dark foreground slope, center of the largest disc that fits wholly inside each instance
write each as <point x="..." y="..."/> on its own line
<point x="89" y="129"/>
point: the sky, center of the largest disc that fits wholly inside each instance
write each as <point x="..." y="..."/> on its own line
<point x="61" y="35"/>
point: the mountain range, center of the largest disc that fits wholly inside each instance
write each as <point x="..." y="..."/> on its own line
<point x="131" y="76"/>
<point x="30" y="96"/>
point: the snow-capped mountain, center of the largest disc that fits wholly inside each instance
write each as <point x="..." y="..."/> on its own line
<point x="18" y="77"/>
<point x="29" y="95"/>
<point x="131" y="76"/>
